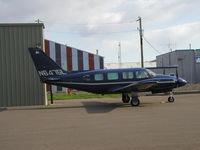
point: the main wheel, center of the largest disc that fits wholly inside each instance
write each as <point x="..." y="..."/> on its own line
<point x="135" y="101"/>
<point x="125" y="99"/>
<point x="170" y="99"/>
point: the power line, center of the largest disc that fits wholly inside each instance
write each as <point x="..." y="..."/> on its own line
<point x="86" y="24"/>
<point x="91" y="32"/>
<point x="151" y="45"/>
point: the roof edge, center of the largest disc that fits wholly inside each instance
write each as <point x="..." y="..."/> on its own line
<point x="21" y="24"/>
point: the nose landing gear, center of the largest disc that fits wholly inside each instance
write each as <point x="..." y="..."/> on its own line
<point x="171" y="98"/>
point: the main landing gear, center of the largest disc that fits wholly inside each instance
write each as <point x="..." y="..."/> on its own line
<point x="133" y="100"/>
<point x="171" y="98"/>
<point x="125" y="98"/>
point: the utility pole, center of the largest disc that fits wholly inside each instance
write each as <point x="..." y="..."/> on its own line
<point x="141" y="40"/>
<point x="119" y="56"/>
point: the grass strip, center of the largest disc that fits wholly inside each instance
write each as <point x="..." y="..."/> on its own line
<point x="63" y="96"/>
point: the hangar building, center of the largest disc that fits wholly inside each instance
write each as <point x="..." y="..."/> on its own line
<point x="187" y="60"/>
<point x="19" y="81"/>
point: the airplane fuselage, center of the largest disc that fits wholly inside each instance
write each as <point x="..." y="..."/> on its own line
<point x="106" y="81"/>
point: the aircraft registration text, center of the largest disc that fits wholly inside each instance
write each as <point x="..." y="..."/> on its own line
<point x="50" y="72"/>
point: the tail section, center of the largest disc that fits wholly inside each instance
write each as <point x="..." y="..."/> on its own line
<point x="47" y="69"/>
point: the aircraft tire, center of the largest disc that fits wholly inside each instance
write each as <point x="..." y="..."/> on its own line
<point x="135" y="101"/>
<point x="170" y="99"/>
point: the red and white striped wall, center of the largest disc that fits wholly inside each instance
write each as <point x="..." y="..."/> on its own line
<point x="72" y="59"/>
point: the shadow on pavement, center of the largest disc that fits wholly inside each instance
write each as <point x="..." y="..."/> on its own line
<point x="101" y="107"/>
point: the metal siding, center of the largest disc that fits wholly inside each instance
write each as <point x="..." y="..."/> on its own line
<point x="96" y="62"/>
<point x="63" y="57"/>
<point x="91" y="62"/>
<point x="174" y="60"/>
<point x="2" y="68"/>
<point x="159" y="61"/>
<point x="47" y="50"/>
<point x="85" y="61"/>
<point x="20" y="84"/>
<point x="58" y="60"/>
<point x="74" y="59"/>
<point x="185" y="65"/>
<point x="58" y="54"/>
<point x="101" y="63"/>
<point x="63" y="60"/>
<point x="52" y="50"/>
<point x="69" y="58"/>
<point x="80" y="60"/>
<point x="53" y="56"/>
<point x="193" y="68"/>
<point x="197" y="67"/>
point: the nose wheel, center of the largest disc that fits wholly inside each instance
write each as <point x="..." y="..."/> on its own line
<point x="171" y="98"/>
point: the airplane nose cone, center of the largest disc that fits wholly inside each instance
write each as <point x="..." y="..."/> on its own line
<point x="181" y="82"/>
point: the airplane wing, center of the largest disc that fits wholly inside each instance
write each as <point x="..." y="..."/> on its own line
<point x="135" y="86"/>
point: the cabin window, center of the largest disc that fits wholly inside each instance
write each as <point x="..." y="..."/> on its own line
<point x="127" y="75"/>
<point x="141" y="74"/>
<point x="113" y="76"/>
<point x="98" y="77"/>
<point x="87" y="77"/>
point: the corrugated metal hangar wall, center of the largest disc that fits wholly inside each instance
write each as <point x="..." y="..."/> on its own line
<point x="188" y="62"/>
<point x="19" y="82"/>
<point x="72" y="59"/>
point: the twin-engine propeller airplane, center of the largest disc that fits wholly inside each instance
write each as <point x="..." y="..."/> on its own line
<point x="125" y="81"/>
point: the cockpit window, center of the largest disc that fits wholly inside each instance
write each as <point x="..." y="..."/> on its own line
<point x="151" y="73"/>
<point x="141" y="74"/>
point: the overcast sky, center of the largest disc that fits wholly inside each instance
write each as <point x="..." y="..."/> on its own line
<point x="101" y="24"/>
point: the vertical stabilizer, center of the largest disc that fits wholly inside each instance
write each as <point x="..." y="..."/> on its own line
<point x="47" y="68"/>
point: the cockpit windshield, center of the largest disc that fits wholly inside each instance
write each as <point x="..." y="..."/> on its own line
<point x="151" y="73"/>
